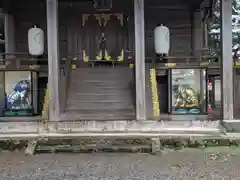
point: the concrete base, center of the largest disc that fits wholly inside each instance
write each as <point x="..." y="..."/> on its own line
<point x="31" y="130"/>
<point x="231" y="126"/>
<point x="31" y="147"/>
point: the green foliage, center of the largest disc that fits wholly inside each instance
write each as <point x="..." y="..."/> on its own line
<point x="214" y="28"/>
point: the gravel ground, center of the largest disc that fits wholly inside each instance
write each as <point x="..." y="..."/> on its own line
<point x="175" y="166"/>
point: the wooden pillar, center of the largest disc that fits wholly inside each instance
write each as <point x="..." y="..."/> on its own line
<point x="9" y="37"/>
<point x="53" y="59"/>
<point x="9" y="28"/>
<point x="197" y="45"/>
<point x="197" y="33"/>
<point x="226" y="57"/>
<point x="140" y="59"/>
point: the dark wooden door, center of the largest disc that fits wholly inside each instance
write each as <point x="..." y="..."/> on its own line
<point x="94" y="25"/>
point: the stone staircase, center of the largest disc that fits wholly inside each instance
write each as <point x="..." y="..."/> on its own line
<point x="100" y="94"/>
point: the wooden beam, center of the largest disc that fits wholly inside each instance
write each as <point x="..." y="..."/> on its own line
<point x="53" y="59"/>
<point x="226" y="54"/>
<point x="140" y="59"/>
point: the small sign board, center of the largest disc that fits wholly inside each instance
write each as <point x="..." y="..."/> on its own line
<point x="209" y="86"/>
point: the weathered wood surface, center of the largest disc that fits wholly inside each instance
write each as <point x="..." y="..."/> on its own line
<point x="134" y="125"/>
<point x="140" y="60"/>
<point x="70" y="22"/>
<point x="109" y="129"/>
<point x="148" y="93"/>
<point x="53" y="59"/>
<point x="19" y="127"/>
<point x="100" y="94"/>
<point x="226" y="54"/>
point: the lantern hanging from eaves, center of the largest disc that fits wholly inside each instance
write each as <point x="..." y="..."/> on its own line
<point x="36" y="41"/>
<point x="161" y="40"/>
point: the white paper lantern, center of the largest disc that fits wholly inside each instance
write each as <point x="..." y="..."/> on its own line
<point x="36" y="41"/>
<point x="162" y="40"/>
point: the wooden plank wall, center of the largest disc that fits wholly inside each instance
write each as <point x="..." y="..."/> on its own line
<point x="177" y="20"/>
<point x="71" y="33"/>
<point x="70" y="20"/>
<point x="26" y="16"/>
<point x="34" y="13"/>
<point x="77" y="36"/>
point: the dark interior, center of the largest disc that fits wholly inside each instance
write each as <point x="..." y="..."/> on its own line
<point x="2" y="45"/>
<point x="163" y="93"/>
<point x="42" y="86"/>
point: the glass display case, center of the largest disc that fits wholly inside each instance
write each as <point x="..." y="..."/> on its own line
<point x="188" y="91"/>
<point x="19" y="93"/>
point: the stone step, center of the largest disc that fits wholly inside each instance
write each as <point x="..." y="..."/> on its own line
<point x="99" y="75"/>
<point x="96" y="79"/>
<point x="123" y="77"/>
<point x="99" y="83"/>
<point x="116" y="100"/>
<point x="86" y="87"/>
<point x="103" y="72"/>
<point x="105" y="75"/>
<point x="108" y="90"/>
<point x="119" y="69"/>
<point x="96" y="94"/>
<point x="124" y="101"/>
<point x="76" y="117"/>
<point x="100" y="94"/>
<point x="114" y="91"/>
<point x="103" y="80"/>
<point x="99" y="114"/>
<point x="103" y="113"/>
<point x="99" y="105"/>
<point x="103" y="98"/>
<point x="80" y="104"/>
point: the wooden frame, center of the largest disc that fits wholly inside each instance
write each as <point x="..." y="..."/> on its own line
<point x="201" y="94"/>
<point x="33" y="96"/>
